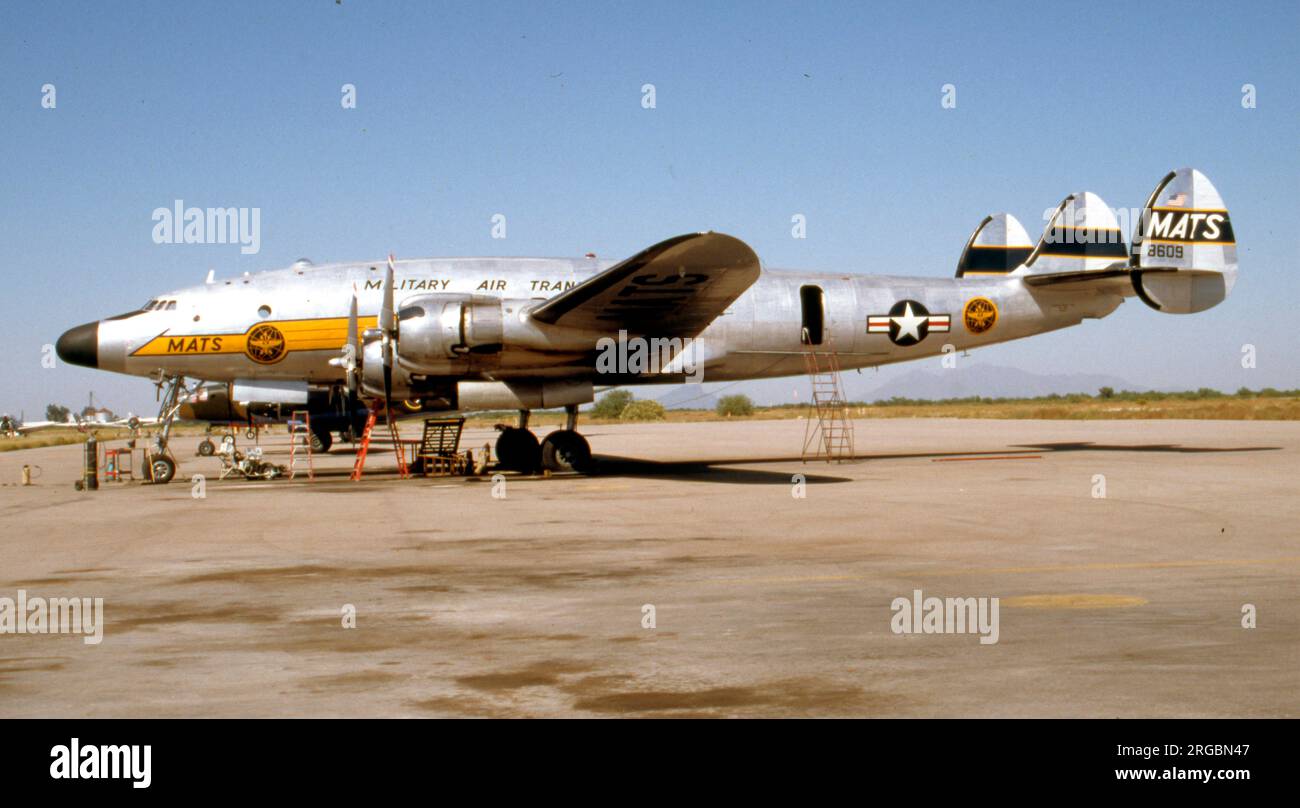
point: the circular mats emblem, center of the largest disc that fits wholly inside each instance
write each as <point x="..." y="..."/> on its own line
<point x="265" y="344"/>
<point x="979" y="315"/>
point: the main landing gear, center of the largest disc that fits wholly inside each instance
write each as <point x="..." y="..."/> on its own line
<point x="562" y="450"/>
<point x="321" y="441"/>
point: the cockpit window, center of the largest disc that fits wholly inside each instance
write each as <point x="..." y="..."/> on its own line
<point x="171" y="305"/>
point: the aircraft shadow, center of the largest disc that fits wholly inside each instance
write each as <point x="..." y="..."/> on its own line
<point x="719" y="469"/>
<point x="1087" y="446"/>
<point x="714" y="470"/>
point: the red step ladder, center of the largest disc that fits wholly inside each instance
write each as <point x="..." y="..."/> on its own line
<point x="371" y="420"/>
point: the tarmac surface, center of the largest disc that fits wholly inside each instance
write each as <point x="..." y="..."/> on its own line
<point x="765" y="603"/>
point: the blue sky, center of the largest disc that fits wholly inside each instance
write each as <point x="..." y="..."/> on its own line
<point x="763" y="110"/>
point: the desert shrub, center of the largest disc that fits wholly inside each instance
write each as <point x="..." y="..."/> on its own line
<point x="612" y="404"/>
<point x="644" y="410"/>
<point x="737" y="405"/>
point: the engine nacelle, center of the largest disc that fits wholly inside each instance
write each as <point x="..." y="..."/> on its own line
<point x="522" y="395"/>
<point x="407" y="384"/>
<point x="445" y="335"/>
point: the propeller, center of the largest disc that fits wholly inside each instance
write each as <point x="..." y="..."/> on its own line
<point x="388" y="333"/>
<point x="350" y="358"/>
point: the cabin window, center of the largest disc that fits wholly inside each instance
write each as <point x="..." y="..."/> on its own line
<point x="263" y="311"/>
<point x="812" y="303"/>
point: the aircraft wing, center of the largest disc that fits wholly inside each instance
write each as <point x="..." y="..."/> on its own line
<point x="673" y="289"/>
<point x="41" y="426"/>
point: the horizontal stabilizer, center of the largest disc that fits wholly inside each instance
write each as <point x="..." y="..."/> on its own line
<point x="1096" y="276"/>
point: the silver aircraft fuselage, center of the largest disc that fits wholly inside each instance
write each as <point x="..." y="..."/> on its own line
<point x="205" y="331"/>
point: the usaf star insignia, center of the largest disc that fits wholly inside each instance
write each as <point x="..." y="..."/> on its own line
<point x="907" y="323"/>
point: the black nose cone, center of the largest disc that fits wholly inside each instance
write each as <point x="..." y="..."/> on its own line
<point x="80" y="345"/>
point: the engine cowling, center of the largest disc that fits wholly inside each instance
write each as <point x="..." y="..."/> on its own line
<point x="449" y="334"/>
<point x="439" y="336"/>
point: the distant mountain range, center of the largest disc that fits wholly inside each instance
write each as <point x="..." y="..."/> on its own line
<point x="986" y="381"/>
<point x="963" y="381"/>
<point x="683" y="397"/>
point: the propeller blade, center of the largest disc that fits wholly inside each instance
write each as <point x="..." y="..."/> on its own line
<point x="353" y="356"/>
<point x="387" y="318"/>
<point x="353" y="338"/>
<point x="388" y="324"/>
<point x="350" y="357"/>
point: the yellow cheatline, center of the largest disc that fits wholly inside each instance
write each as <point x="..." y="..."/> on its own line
<point x="318" y="334"/>
<point x="1072" y="601"/>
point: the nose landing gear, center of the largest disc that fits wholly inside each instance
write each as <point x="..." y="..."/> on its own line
<point x="162" y="466"/>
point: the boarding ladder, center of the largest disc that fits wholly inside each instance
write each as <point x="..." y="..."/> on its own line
<point x="828" y="430"/>
<point x="371" y="420"/>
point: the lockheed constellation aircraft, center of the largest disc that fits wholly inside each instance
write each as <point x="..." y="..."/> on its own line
<point x="463" y="334"/>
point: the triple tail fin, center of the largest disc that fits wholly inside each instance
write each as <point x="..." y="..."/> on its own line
<point x="1082" y="241"/>
<point x="1183" y="258"/>
<point x="1184" y="254"/>
<point x="998" y="246"/>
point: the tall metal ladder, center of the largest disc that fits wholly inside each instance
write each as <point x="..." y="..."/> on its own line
<point x="301" y="425"/>
<point x="830" y="435"/>
<point x="371" y="419"/>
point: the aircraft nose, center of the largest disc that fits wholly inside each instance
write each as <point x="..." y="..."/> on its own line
<point x="80" y="345"/>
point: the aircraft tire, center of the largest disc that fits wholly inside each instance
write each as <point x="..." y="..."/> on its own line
<point x="566" y="450"/>
<point x="163" y="469"/>
<point x="518" y="450"/>
<point x="321" y="441"/>
<point x="207" y="448"/>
